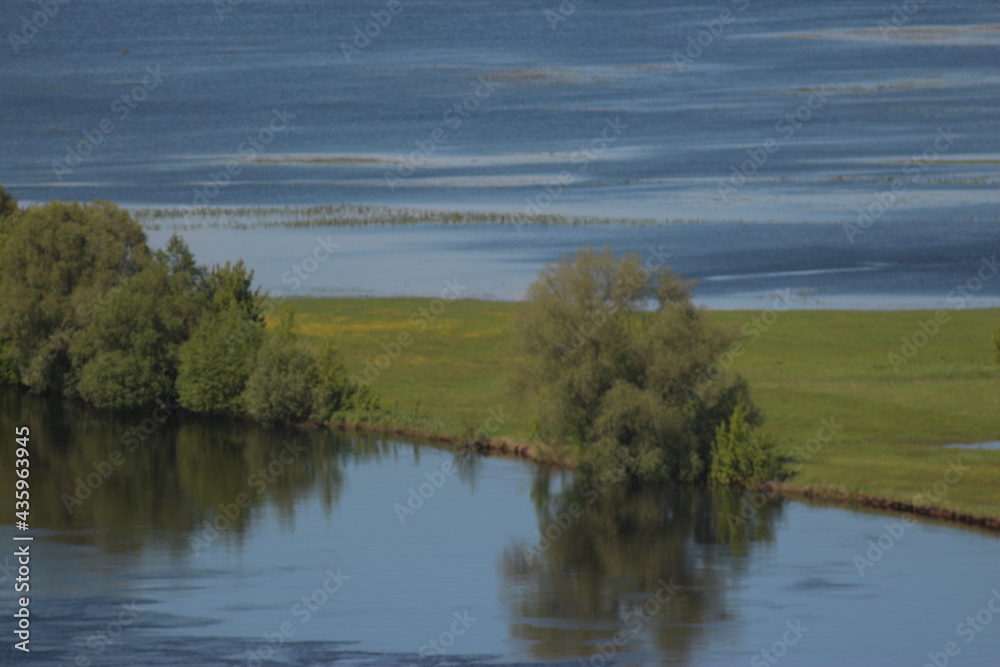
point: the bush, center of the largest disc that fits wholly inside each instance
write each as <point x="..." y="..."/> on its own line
<point x="280" y="387"/>
<point x="333" y="392"/>
<point x="621" y="382"/>
<point x="743" y="455"/>
<point x="117" y="380"/>
<point x="215" y="363"/>
<point x="996" y="342"/>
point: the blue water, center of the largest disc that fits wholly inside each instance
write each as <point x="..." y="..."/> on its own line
<point x="763" y="265"/>
<point x="683" y="126"/>
<point x="396" y="544"/>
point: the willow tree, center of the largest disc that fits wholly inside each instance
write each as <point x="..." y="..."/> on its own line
<point x="615" y="355"/>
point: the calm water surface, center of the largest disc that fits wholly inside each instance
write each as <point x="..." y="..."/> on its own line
<point x="895" y="265"/>
<point x="733" y="573"/>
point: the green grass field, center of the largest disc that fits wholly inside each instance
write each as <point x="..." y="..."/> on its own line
<point x="808" y="366"/>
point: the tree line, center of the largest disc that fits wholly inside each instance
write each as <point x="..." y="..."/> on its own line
<point x="91" y="312"/>
<point x="611" y="351"/>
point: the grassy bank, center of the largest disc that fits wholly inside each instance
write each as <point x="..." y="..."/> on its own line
<point x="806" y="367"/>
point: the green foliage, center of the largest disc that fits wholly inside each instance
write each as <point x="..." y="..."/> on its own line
<point x="147" y="320"/>
<point x="216" y="361"/>
<point x="90" y="312"/>
<point x="116" y="379"/>
<point x="57" y="262"/>
<point x="280" y="387"/>
<point x="334" y="393"/>
<point x="8" y="209"/>
<point x="618" y="381"/>
<point x="996" y="342"/>
<point x="231" y="286"/>
<point x="742" y="454"/>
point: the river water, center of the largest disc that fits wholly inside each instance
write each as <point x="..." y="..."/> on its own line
<point x="201" y="542"/>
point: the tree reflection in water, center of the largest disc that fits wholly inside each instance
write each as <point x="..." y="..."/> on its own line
<point x="604" y="553"/>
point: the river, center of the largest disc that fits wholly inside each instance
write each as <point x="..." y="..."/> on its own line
<point x="207" y="542"/>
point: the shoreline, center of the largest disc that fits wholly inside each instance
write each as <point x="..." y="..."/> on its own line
<point x="828" y="496"/>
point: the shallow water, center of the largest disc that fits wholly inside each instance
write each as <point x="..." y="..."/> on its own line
<point x="731" y="570"/>
<point x="894" y="265"/>
<point x="614" y="111"/>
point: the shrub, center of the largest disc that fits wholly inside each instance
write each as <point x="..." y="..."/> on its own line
<point x="117" y="380"/>
<point x="742" y="454"/>
<point x="334" y="393"/>
<point x="996" y="342"/>
<point x="280" y="387"/>
<point x="215" y="363"/>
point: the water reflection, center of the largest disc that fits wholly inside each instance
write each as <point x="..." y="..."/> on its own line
<point x="628" y="569"/>
<point x="115" y="481"/>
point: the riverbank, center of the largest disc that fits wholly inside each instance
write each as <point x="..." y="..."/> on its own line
<point x="861" y="425"/>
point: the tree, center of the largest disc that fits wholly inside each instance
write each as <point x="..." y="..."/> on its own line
<point x="215" y="363"/>
<point x="8" y="208"/>
<point x="147" y="320"/>
<point x="57" y="262"/>
<point x="617" y="380"/>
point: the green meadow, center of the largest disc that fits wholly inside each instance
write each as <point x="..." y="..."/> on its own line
<point x="854" y="425"/>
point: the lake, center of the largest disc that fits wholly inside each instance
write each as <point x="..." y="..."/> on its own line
<point x="204" y="542"/>
<point x="634" y="109"/>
